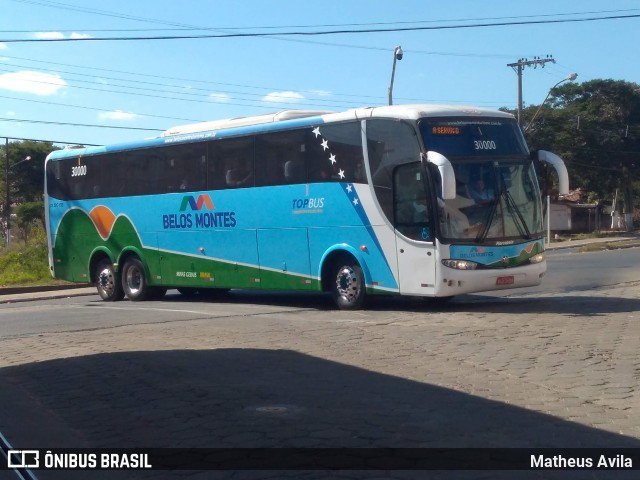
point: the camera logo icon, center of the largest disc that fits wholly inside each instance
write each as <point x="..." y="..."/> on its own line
<point x="23" y="459"/>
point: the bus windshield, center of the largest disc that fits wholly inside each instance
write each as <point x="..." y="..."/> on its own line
<point x="497" y="193"/>
<point x="495" y="201"/>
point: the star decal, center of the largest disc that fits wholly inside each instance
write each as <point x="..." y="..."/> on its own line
<point x="316" y="131"/>
<point x="355" y="201"/>
<point x="341" y="173"/>
<point x="325" y="144"/>
<point x="349" y="188"/>
<point x="332" y="159"/>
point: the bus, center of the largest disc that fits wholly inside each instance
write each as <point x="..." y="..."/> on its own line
<point x="420" y="200"/>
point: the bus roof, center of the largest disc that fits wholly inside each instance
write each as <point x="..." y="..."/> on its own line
<point x="287" y="118"/>
<point x="410" y="112"/>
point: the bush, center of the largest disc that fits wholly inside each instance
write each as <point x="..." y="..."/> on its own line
<point x="24" y="263"/>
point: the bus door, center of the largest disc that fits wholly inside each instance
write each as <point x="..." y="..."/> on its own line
<point x="413" y="221"/>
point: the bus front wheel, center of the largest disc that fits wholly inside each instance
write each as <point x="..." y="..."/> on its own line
<point x="134" y="280"/>
<point x="348" y="287"/>
<point x="108" y="282"/>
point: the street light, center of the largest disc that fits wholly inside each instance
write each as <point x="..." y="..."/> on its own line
<point x="397" y="55"/>
<point x="7" y="204"/>
<point x="571" y="77"/>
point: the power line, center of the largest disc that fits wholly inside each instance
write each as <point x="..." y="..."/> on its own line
<point x="318" y="33"/>
<point x="19" y="120"/>
<point x="275" y="27"/>
<point x="50" y="141"/>
<point x="96" y="109"/>
<point x="378" y="99"/>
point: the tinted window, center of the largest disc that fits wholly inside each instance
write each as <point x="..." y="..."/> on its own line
<point x="410" y="200"/>
<point x="137" y="172"/>
<point x="280" y="158"/>
<point x="178" y="168"/>
<point x="335" y="153"/>
<point x="389" y="143"/>
<point x="231" y="163"/>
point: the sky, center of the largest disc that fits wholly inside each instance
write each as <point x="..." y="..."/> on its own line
<point x="89" y="91"/>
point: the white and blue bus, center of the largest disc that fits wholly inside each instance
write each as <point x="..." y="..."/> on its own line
<point x="421" y="200"/>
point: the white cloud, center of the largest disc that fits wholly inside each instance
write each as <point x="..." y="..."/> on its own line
<point x="49" y="35"/>
<point x="79" y="35"/>
<point x="59" y="35"/>
<point x="219" y="97"/>
<point x="280" y="97"/>
<point x="321" y="93"/>
<point x="37" y="83"/>
<point x="118" y="115"/>
<point x="3" y="46"/>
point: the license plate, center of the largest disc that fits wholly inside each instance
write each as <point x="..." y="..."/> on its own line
<point x="510" y="280"/>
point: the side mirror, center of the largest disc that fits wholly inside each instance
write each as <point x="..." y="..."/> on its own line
<point x="447" y="174"/>
<point x="556" y="162"/>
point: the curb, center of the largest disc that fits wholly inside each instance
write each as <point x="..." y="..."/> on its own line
<point x="39" y="288"/>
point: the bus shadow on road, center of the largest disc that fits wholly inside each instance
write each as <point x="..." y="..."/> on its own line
<point x="591" y="306"/>
<point x="253" y="398"/>
<point x="567" y="304"/>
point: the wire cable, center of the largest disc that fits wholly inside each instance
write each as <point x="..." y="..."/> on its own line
<point x="318" y="33"/>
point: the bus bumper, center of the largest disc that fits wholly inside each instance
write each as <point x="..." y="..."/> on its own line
<point x="451" y="282"/>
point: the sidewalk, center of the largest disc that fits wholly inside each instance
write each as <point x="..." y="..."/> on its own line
<point x="622" y="237"/>
<point x="26" y="294"/>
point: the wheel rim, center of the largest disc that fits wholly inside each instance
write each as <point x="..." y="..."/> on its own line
<point x="133" y="279"/>
<point x="107" y="282"/>
<point x="348" y="285"/>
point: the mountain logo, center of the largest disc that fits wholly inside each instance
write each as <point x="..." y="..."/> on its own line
<point x="196" y="204"/>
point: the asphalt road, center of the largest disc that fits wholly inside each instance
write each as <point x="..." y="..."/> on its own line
<point x="551" y="368"/>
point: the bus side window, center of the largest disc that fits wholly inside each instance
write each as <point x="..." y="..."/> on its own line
<point x="389" y="143"/>
<point x="335" y="153"/>
<point x="411" y="206"/>
<point x="231" y="163"/>
<point x="280" y="158"/>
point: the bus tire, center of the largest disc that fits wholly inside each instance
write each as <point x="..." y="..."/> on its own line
<point x="108" y="282"/>
<point x="134" y="280"/>
<point x="348" y="285"/>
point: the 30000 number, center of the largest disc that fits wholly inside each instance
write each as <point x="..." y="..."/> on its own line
<point x="484" y="144"/>
<point x="79" y="171"/>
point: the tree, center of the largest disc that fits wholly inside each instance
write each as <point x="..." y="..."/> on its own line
<point x="29" y="214"/>
<point x="26" y="177"/>
<point x="595" y="128"/>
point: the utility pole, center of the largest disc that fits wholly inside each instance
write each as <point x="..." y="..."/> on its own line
<point x="518" y="67"/>
<point x="7" y="207"/>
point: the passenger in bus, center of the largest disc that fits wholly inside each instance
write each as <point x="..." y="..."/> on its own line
<point x="360" y="175"/>
<point x="239" y="174"/>
<point x="294" y="171"/>
<point x="480" y="193"/>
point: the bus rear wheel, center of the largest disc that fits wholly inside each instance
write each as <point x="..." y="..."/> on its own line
<point x="134" y="280"/>
<point x="348" y="287"/>
<point x="108" y="282"/>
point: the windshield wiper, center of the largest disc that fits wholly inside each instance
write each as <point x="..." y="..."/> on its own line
<point x="518" y="219"/>
<point x="522" y="225"/>
<point x="482" y="235"/>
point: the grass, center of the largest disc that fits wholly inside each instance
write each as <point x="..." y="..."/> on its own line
<point x="26" y="263"/>
<point x="601" y="246"/>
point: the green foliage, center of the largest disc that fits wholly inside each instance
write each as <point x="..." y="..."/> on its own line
<point x="26" y="176"/>
<point x="29" y="215"/>
<point x="595" y="128"/>
<point x="24" y="263"/>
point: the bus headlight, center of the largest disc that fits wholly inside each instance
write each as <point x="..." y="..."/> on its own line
<point x="537" y="258"/>
<point x="460" y="264"/>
